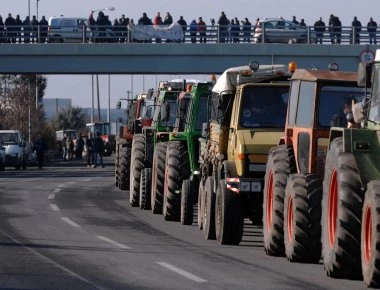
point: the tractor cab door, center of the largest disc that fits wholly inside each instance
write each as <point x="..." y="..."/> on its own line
<point x="300" y="126"/>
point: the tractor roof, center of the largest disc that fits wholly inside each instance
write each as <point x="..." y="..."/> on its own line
<point x="228" y="80"/>
<point x="324" y="75"/>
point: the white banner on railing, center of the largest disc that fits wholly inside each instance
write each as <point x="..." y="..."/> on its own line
<point x="147" y="32"/>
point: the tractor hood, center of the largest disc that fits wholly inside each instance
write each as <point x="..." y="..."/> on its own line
<point x="258" y="142"/>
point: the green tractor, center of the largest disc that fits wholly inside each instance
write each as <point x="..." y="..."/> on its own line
<point x="143" y="144"/>
<point x="351" y="189"/>
<point x="182" y="154"/>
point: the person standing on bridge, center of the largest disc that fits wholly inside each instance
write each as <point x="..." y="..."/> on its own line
<point x="357" y="28"/>
<point x="157" y="21"/>
<point x="201" y="28"/>
<point x="371" y="28"/>
<point x="183" y="23"/>
<point x="319" y="28"/>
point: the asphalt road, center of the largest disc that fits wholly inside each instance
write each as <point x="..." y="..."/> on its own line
<point x="68" y="227"/>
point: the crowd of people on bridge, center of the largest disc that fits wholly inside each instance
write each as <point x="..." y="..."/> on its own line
<point x="232" y="30"/>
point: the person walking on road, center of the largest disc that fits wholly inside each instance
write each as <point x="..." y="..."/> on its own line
<point x="98" y="146"/>
<point x="90" y="150"/>
<point x="40" y="147"/>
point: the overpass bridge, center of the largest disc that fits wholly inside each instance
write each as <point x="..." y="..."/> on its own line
<point x="170" y="58"/>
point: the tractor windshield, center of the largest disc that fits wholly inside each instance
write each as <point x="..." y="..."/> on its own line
<point x="264" y="106"/>
<point x="334" y="100"/>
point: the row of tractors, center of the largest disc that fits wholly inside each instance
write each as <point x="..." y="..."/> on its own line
<point x="295" y="150"/>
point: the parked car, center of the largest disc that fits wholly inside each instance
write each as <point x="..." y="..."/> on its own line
<point x="278" y="30"/>
<point x="13" y="141"/>
<point x="67" y="29"/>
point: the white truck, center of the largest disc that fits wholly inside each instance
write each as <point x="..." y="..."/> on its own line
<point x="14" y="143"/>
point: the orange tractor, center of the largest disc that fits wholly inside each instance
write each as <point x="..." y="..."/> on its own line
<point x="293" y="179"/>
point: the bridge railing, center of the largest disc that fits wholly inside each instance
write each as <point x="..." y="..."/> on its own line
<point x="212" y="34"/>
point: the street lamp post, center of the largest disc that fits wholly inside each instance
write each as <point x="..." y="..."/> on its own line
<point x="37" y="7"/>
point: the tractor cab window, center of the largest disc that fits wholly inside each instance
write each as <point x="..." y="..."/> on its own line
<point x="305" y="108"/>
<point x="171" y="109"/>
<point x="264" y="107"/>
<point x="374" y="110"/>
<point x="334" y="101"/>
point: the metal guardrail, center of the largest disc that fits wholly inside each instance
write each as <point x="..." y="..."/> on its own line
<point x="213" y="34"/>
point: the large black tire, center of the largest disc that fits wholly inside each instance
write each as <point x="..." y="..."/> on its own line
<point x="302" y="218"/>
<point x="281" y="163"/>
<point x="370" y="236"/>
<point x="341" y="214"/>
<point x="177" y="169"/>
<point x="137" y="164"/>
<point x="209" y="209"/>
<point x="187" y="202"/>
<point x="200" y="204"/>
<point x="124" y="167"/>
<point x="145" y="187"/>
<point x="229" y="217"/>
<point x="158" y="177"/>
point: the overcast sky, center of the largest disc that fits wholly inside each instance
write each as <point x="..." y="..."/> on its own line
<point x="79" y="87"/>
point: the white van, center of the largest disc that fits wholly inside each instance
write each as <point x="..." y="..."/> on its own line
<point x="14" y="144"/>
<point x="68" y="29"/>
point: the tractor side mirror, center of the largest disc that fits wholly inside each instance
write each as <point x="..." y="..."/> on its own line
<point x="357" y="112"/>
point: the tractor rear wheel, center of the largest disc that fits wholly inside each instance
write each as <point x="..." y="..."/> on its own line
<point x="281" y="163"/>
<point x="187" y="202"/>
<point x="158" y="177"/>
<point x="370" y="236"/>
<point x="209" y="209"/>
<point x="177" y="169"/>
<point x="342" y="204"/>
<point x="137" y="164"/>
<point x="229" y="216"/>
<point x="302" y="218"/>
<point x="145" y="187"/>
<point x="124" y="167"/>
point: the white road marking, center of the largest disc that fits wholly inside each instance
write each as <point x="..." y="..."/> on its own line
<point x="181" y="272"/>
<point x="71" y="182"/>
<point x="54" y="207"/>
<point x="53" y="262"/>
<point x="61" y="185"/>
<point x="88" y="179"/>
<point x="113" y="242"/>
<point x="56" y="190"/>
<point x="51" y="196"/>
<point x="70" y="222"/>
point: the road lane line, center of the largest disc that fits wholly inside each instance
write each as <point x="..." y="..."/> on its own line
<point x="56" y="190"/>
<point x="88" y="179"/>
<point x="182" y="272"/>
<point x="54" y="207"/>
<point x="63" y="268"/>
<point x="51" y="196"/>
<point x="61" y="185"/>
<point x="113" y="242"/>
<point x="70" y="222"/>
